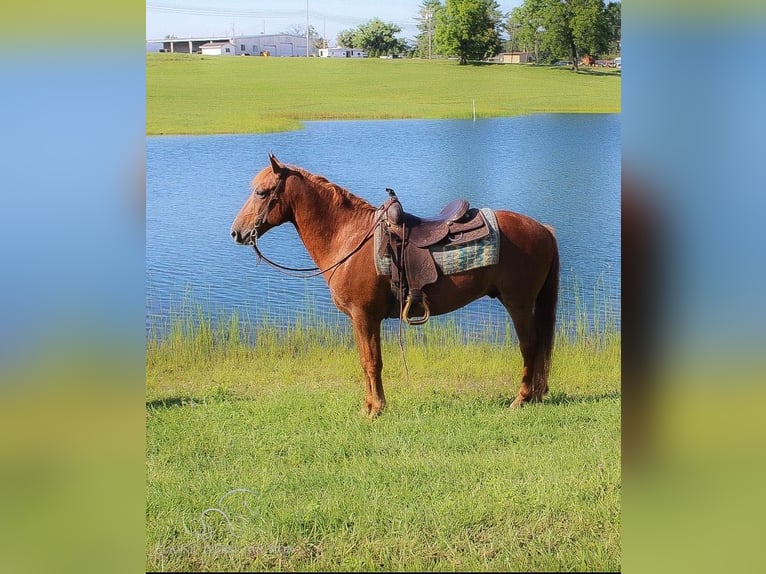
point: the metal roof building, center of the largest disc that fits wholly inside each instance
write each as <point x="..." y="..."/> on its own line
<point x="254" y="45"/>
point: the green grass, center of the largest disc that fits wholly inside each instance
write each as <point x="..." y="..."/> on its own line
<point x="190" y="94"/>
<point x="258" y="459"/>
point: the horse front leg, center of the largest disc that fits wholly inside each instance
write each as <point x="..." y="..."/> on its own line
<point x="367" y="333"/>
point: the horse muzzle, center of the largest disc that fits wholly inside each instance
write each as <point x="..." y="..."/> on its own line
<point x="246" y="238"/>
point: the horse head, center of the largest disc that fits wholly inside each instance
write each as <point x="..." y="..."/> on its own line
<point x="265" y="207"/>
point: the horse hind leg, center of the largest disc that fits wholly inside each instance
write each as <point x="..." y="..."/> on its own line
<point x="533" y="380"/>
<point x="523" y="323"/>
<point x="535" y="324"/>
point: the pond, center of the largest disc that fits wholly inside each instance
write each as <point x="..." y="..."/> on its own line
<point x="562" y="169"/>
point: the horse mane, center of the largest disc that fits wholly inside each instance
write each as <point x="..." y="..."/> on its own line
<point x="340" y="195"/>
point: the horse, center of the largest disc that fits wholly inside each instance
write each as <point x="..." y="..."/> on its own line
<point x="336" y="228"/>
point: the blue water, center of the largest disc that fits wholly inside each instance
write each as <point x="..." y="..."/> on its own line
<point x="563" y="170"/>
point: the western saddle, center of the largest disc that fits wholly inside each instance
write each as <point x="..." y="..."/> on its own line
<point x="408" y="240"/>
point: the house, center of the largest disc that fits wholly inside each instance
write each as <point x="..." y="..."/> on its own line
<point x="341" y="52"/>
<point x="514" y="58"/>
<point x="217" y="49"/>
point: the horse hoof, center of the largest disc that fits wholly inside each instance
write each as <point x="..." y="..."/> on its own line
<point x="370" y="412"/>
<point x="517" y="402"/>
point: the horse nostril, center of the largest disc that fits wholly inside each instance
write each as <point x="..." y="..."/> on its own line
<point x="236" y="236"/>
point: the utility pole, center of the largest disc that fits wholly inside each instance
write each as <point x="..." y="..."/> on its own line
<point x="307" y="28"/>
<point x="429" y="14"/>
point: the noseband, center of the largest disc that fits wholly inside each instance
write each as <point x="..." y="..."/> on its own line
<point x="313" y="271"/>
<point x="273" y="198"/>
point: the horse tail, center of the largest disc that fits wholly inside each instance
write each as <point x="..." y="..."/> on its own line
<point x="545" y="321"/>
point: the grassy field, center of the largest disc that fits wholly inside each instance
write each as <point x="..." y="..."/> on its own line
<point x="191" y="94"/>
<point x="258" y="459"/>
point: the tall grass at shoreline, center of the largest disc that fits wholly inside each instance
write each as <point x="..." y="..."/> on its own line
<point x="195" y="345"/>
<point x="191" y="332"/>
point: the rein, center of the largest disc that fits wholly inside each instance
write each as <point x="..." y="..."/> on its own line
<point x="305" y="273"/>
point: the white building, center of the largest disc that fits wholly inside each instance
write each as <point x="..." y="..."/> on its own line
<point x="272" y="44"/>
<point x="260" y="45"/>
<point x="341" y="52"/>
<point x="217" y="49"/>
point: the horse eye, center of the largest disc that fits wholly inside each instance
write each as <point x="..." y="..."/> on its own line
<point x="262" y="193"/>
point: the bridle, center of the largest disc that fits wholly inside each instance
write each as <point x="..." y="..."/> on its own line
<point x="303" y="273"/>
<point x="273" y="198"/>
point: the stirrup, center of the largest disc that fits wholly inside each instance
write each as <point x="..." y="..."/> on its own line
<point x="406" y="312"/>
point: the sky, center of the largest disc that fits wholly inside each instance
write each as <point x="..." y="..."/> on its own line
<point x="200" y="18"/>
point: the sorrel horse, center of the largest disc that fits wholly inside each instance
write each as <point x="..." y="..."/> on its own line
<point x="336" y="228"/>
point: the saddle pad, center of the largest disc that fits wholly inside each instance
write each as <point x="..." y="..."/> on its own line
<point x="454" y="258"/>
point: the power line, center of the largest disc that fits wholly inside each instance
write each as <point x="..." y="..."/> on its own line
<point x="276" y="14"/>
<point x="203" y="11"/>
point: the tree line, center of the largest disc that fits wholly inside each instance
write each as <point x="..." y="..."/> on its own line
<point x="471" y="30"/>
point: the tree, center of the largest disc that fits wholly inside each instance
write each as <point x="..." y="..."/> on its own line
<point x="469" y="29"/>
<point x="427" y="18"/>
<point x="565" y="28"/>
<point x="526" y="23"/>
<point x="614" y="22"/>
<point x="512" y="45"/>
<point x="378" y="38"/>
<point x="345" y="38"/>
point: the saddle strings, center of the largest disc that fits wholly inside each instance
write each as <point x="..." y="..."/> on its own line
<point x="401" y="320"/>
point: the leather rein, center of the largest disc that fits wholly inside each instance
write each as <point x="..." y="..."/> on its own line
<point x="303" y="273"/>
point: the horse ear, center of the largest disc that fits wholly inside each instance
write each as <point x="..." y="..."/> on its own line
<point x="275" y="165"/>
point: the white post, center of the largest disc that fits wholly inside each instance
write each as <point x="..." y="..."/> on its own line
<point x="474" y="109"/>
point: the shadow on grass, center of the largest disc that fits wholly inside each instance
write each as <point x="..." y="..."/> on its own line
<point x="598" y="72"/>
<point x="431" y="404"/>
<point x="172" y="402"/>
<point x="588" y="71"/>
<point x="565" y="399"/>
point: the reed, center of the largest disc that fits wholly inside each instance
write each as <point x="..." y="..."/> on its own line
<point x="192" y="334"/>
